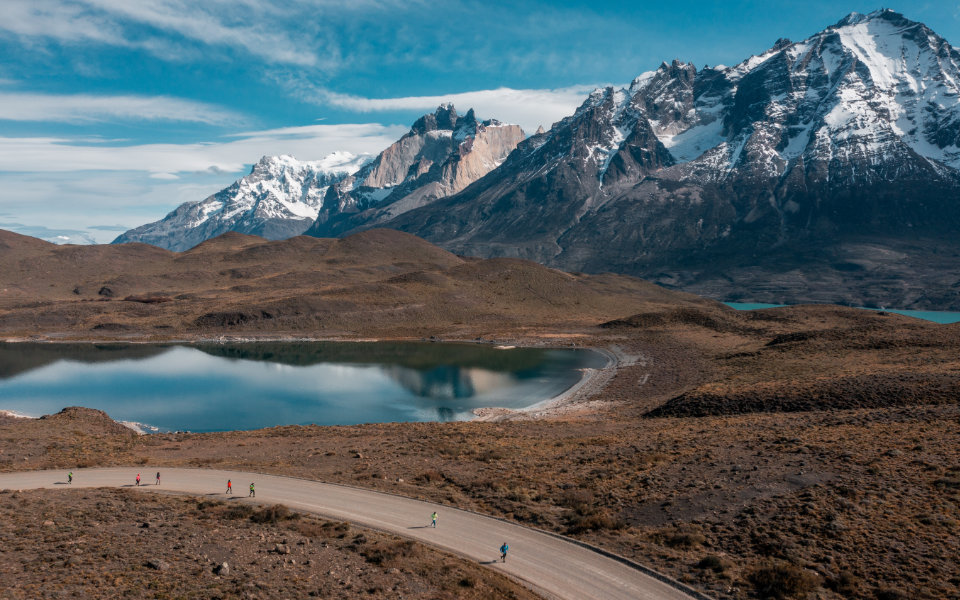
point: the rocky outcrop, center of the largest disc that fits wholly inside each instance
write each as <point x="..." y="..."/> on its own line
<point x="441" y="155"/>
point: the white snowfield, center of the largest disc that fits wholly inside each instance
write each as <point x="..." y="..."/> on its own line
<point x="553" y="566"/>
<point x="875" y="86"/>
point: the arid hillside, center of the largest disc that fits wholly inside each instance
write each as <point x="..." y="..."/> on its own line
<point x="121" y="544"/>
<point x="810" y="451"/>
<point x="377" y="283"/>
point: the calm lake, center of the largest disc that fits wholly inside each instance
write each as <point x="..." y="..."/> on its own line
<point x="221" y="387"/>
<point x="941" y="317"/>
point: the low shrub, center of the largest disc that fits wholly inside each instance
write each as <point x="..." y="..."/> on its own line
<point x="431" y="476"/>
<point x="382" y="552"/>
<point x="273" y="514"/>
<point x="205" y="504"/>
<point x="846" y="584"/>
<point x="492" y="455"/>
<point x="781" y="580"/>
<point x="579" y="500"/>
<point x="238" y="511"/>
<point x="684" y="540"/>
<point x="713" y="563"/>
<point x="593" y="522"/>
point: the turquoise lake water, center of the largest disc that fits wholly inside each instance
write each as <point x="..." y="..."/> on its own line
<point x="927" y="315"/>
<point x="222" y="387"/>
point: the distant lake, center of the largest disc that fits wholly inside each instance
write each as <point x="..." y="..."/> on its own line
<point x="927" y="315"/>
<point x="222" y="387"/>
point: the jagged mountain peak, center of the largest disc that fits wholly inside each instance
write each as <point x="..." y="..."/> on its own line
<point x="445" y="117"/>
<point x="279" y="198"/>
<point x="781" y="43"/>
<point x="340" y="161"/>
<point x="675" y="66"/>
<point x="856" y="18"/>
<point x="852" y="131"/>
<point x="441" y="154"/>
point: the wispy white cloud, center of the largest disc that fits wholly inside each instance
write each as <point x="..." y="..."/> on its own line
<point x="330" y="37"/>
<point x="109" y="227"/>
<point x="49" y="154"/>
<point x="115" y="22"/>
<point x="527" y="108"/>
<point x="75" y="108"/>
<point x="204" y="22"/>
<point x="48" y="204"/>
<point x="61" y="20"/>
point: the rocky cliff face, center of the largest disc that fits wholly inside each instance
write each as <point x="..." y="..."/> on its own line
<point x="817" y="170"/>
<point x="280" y="198"/>
<point x="441" y="155"/>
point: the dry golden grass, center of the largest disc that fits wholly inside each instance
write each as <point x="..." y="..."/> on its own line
<point x="771" y="452"/>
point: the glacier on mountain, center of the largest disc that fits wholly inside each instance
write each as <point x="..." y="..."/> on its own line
<point x="278" y="199"/>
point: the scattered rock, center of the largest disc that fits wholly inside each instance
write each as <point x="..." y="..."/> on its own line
<point x="222" y="569"/>
<point x="48" y="523"/>
<point x="281" y="549"/>
<point x="159" y="565"/>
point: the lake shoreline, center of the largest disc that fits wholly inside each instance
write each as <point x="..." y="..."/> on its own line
<point x="939" y="317"/>
<point x="571" y="400"/>
<point x="575" y="399"/>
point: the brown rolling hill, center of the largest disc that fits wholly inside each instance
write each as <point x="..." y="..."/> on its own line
<point x="376" y="283"/>
<point x="815" y="447"/>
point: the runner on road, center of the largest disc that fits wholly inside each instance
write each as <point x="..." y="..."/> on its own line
<point x="138" y="478"/>
<point x="503" y="552"/>
<point x="229" y="487"/>
<point x="158" y="478"/>
<point x="70" y="477"/>
<point x="433" y="518"/>
<point x="252" y="492"/>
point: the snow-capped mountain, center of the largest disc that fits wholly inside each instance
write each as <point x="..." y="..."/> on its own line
<point x="808" y="172"/>
<point x="441" y="154"/>
<point x="280" y="198"/>
<point x="283" y="197"/>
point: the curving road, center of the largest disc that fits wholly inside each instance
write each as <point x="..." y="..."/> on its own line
<point x="554" y="566"/>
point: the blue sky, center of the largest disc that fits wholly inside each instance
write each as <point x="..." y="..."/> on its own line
<point x="113" y="112"/>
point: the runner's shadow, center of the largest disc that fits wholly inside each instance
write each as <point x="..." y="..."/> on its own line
<point x="488" y="562"/>
<point x="419" y="527"/>
<point x="59" y="483"/>
<point x="129" y="485"/>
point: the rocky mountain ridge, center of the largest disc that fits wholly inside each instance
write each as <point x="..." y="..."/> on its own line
<point x="825" y="170"/>
<point x="283" y="197"/>
<point x="821" y="170"/>
<point x="280" y="198"/>
<point x="441" y="155"/>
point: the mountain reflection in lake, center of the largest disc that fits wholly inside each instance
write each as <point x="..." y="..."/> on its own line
<point x="218" y="387"/>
